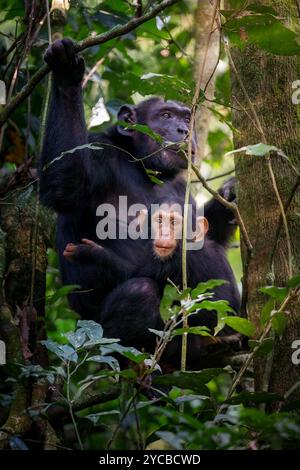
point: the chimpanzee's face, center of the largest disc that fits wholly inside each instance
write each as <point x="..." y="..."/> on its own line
<point x="169" y="119"/>
<point x="163" y="224"/>
<point x="166" y="225"/>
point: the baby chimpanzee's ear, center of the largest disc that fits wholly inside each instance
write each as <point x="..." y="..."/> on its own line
<point x="202" y="229"/>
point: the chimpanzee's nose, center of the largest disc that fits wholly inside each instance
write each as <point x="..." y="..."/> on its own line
<point x="182" y="130"/>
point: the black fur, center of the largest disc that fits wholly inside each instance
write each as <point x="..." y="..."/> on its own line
<point x="76" y="184"/>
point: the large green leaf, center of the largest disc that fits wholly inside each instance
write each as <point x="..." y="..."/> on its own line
<point x="220" y="306"/>
<point x="242" y="325"/>
<point x="266" y="311"/>
<point x="265" y="347"/>
<point x="278" y="293"/>
<point x="279" y="323"/>
<point x="190" y="380"/>
<point x="93" y="331"/>
<point x="63" y="351"/>
<point x="202" y="287"/>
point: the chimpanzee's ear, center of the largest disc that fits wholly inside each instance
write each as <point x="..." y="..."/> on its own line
<point x="127" y="114"/>
<point x="202" y="229"/>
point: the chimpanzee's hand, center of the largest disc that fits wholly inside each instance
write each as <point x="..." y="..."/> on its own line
<point x="227" y="191"/>
<point x="70" y="251"/>
<point x="84" y="252"/>
<point x="67" y="66"/>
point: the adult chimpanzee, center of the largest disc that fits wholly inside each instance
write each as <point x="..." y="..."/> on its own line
<point x="76" y="184"/>
<point x="159" y="257"/>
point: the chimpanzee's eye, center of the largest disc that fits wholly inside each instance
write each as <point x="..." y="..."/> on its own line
<point x="166" y="115"/>
<point x="187" y="119"/>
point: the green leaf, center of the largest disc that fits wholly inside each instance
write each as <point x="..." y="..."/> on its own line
<point x="294" y="282"/>
<point x="264" y="348"/>
<point x="144" y="130"/>
<point x="266" y="311"/>
<point x="153" y="178"/>
<point x="167" y="309"/>
<point x="250" y="398"/>
<point x="220" y="306"/>
<point x="93" y="330"/>
<point x="131" y="353"/>
<point x="190" y="380"/>
<point x="279" y="322"/>
<point x="242" y="325"/>
<point x="278" y="293"/>
<point x="195" y="330"/>
<point x="258" y="150"/>
<point x="62" y="292"/>
<point x="77" y="338"/>
<point x="171" y="294"/>
<point x="203" y="287"/>
<point x="63" y="351"/>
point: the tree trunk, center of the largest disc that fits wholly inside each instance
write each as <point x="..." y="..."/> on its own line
<point x="268" y="82"/>
<point x="25" y="232"/>
<point x="207" y="47"/>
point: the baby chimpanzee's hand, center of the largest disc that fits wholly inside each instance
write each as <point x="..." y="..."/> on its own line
<point x="82" y="252"/>
<point x="70" y="251"/>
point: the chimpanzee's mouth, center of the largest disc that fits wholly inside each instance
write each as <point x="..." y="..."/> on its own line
<point x="164" y="249"/>
<point x="181" y="148"/>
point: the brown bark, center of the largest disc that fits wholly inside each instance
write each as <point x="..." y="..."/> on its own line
<point x="207" y="45"/>
<point x="268" y="82"/>
<point x="22" y="249"/>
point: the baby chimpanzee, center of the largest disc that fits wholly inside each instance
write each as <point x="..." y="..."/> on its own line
<point x="158" y="256"/>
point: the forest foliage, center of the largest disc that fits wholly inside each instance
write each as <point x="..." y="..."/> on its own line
<point x="103" y="405"/>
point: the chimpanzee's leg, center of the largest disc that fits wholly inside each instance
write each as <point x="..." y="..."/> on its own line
<point x="128" y="312"/>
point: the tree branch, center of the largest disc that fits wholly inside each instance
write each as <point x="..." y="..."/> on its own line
<point x="59" y="408"/>
<point x="117" y="31"/>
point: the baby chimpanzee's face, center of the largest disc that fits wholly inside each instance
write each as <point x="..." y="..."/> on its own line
<point x="167" y="231"/>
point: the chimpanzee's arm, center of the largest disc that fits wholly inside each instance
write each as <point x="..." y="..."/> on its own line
<point x="63" y="182"/>
<point x="101" y="263"/>
<point x="221" y="220"/>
